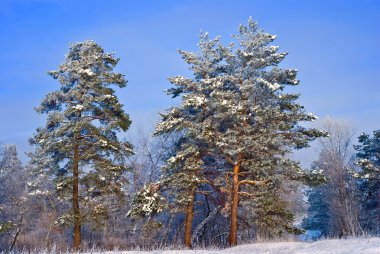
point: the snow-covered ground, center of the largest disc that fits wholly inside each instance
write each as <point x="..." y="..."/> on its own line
<point x="334" y="246"/>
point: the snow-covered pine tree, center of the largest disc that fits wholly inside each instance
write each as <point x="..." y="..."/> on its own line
<point x="185" y="170"/>
<point x="79" y="146"/>
<point x="255" y="123"/>
<point x="368" y="159"/>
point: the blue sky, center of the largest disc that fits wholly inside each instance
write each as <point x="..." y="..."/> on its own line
<point x="335" y="45"/>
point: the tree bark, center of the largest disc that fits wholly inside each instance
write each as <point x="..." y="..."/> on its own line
<point x="189" y="219"/>
<point x="76" y="210"/>
<point x="234" y="205"/>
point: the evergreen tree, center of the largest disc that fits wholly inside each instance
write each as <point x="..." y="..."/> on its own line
<point x="255" y="124"/>
<point x="12" y="197"/>
<point x="185" y="171"/>
<point x="368" y="155"/>
<point x="79" y="148"/>
<point x="318" y="217"/>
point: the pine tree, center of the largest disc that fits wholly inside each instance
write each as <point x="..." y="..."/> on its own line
<point x="186" y="171"/>
<point x="256" y="124"/>
<point x="368" y="159"/>
<point x="79" y="147"/>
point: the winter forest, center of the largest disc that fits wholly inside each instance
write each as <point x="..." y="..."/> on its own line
<point x="222" y="166"/>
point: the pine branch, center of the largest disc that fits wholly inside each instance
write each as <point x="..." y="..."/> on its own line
<point x="246" y="194"/>
<point x="229" y="160"/>
<point x="251" y="182"/>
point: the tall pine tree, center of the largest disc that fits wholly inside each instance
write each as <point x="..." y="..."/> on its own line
<point x="186" y="171"/>
<point x="255" y="124"/>
<point x="79" y="145"/>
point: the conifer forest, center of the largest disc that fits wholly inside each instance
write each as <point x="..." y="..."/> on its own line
<point x="222" y="165"/>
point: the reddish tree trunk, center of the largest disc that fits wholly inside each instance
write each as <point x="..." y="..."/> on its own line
<point x="234" y="205"/>
<point x="189" y="219"/>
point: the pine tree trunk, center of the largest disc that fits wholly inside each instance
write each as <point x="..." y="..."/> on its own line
<point x="234" y="206"/>
<point x="76" y="210"/>
<point x="189" y="219"/>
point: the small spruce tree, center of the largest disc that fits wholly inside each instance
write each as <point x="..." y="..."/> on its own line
<point x="368" y="159"/>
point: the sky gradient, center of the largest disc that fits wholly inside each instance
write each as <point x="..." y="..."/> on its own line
<point x="335" y="45"/>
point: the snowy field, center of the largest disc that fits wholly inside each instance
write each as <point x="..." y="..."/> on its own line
<point x="343" y="246"/>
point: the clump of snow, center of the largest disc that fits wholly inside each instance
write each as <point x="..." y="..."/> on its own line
<point x="312" y="116"/>
<point x="59" y="186"/>
<point x="172" y="159"/>
<point x="197" y="100"/>
<point x="78" y="107"/>
<point x="88" y="72"/>
<point x="38" y="193"/>
<point x="245" y="54"/>
<point x="271" y="86"/>
<point x="128" y="149"/>
<point x="274" y="48"/>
